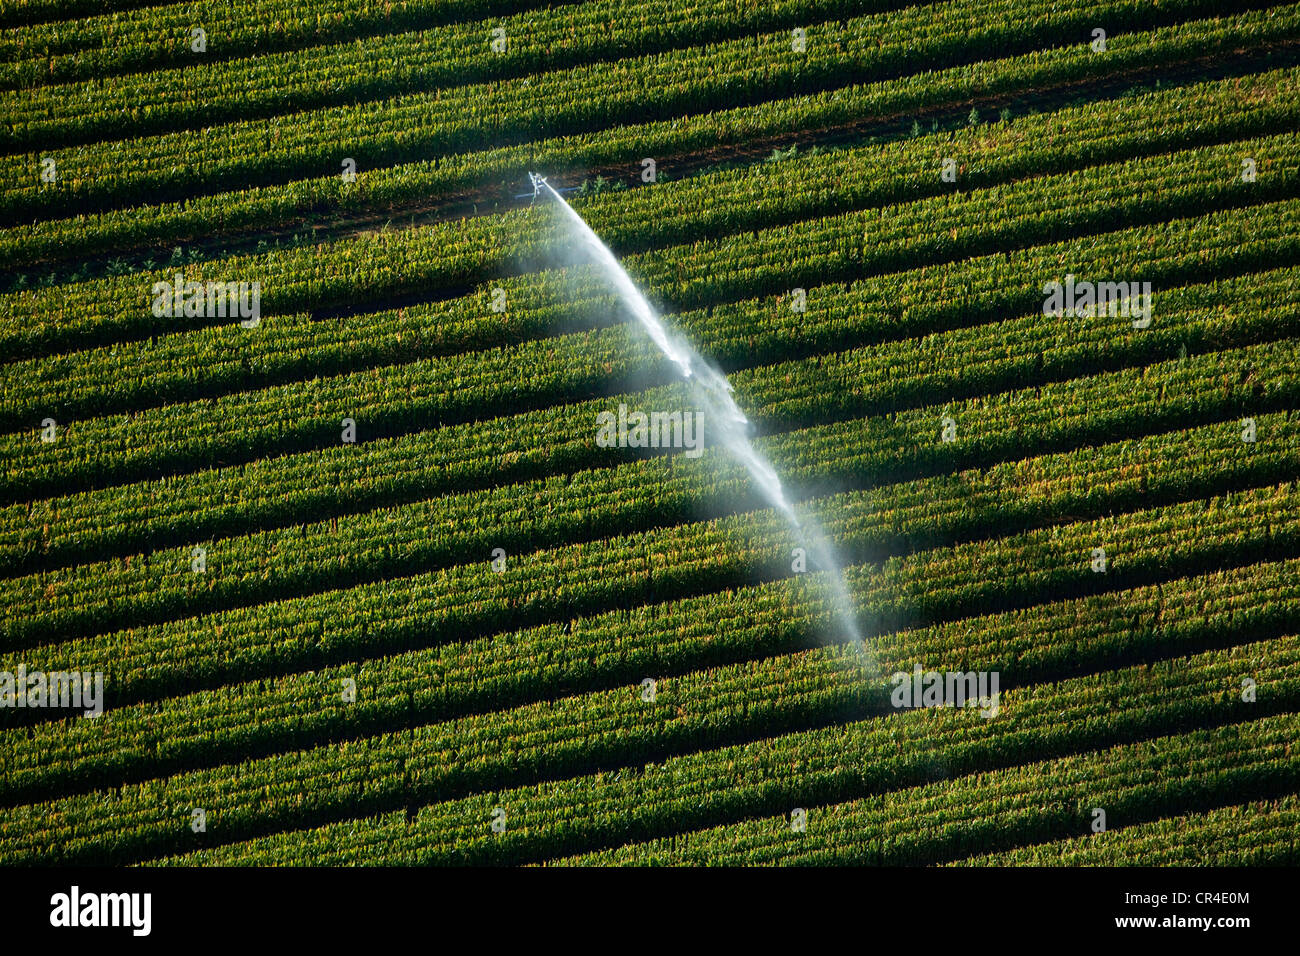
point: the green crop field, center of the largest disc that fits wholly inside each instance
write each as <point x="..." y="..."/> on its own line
<point x="312" y="551"/>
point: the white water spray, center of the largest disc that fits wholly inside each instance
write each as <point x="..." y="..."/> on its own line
<point x="714" y="393"/>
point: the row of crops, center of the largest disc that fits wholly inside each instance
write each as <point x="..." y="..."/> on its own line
<point x="447" y="391"/>
<point x="205" y="727"/>
<point x="284" y="491"/>
<point x="464" y="335"/>
<point x="130" y="39"/>
<point x="875" y="239"/>
<point x="547" y="587"/>
<point x="364" y="586"/>
<point x="210" y="88"/>
<point x="266" y="206"/>
<point x="732" y="73"/>
<point x="1040" y="801"/>
<point x="1051" y="719"/>
<point x="811" y="456"/>
<point x="850" y="760"/>
<point x="1251" y="834"/>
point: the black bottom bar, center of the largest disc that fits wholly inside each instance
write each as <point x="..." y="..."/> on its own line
<point x="925" y="908"/>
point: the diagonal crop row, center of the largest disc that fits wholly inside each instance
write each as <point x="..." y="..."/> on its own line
<point x="461" y="602"/>
<point x="216" y="90"/>
<point x="416" y="396"/>
<point x="834" y="248"/>
<point x="944" y="228"/>
<point x="1251" y="834"/>
<point x="91" y="234"/>
<point x="938" y="822"/>
<point x="299" y="710"/>
<point x="731" y="73"/>
<point x="597" y="810"/>
<point x="127" y="39"/>
<point x="350" y="480"/>
<point x="150" y="588"/>
<point x="661" y="491"/>
<point x="28" y="13"/>
<point x="221" y="359"/>
<point x="444" y="761"/>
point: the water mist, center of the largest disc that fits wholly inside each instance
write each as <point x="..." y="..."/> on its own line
<point x="713" y="393"/>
